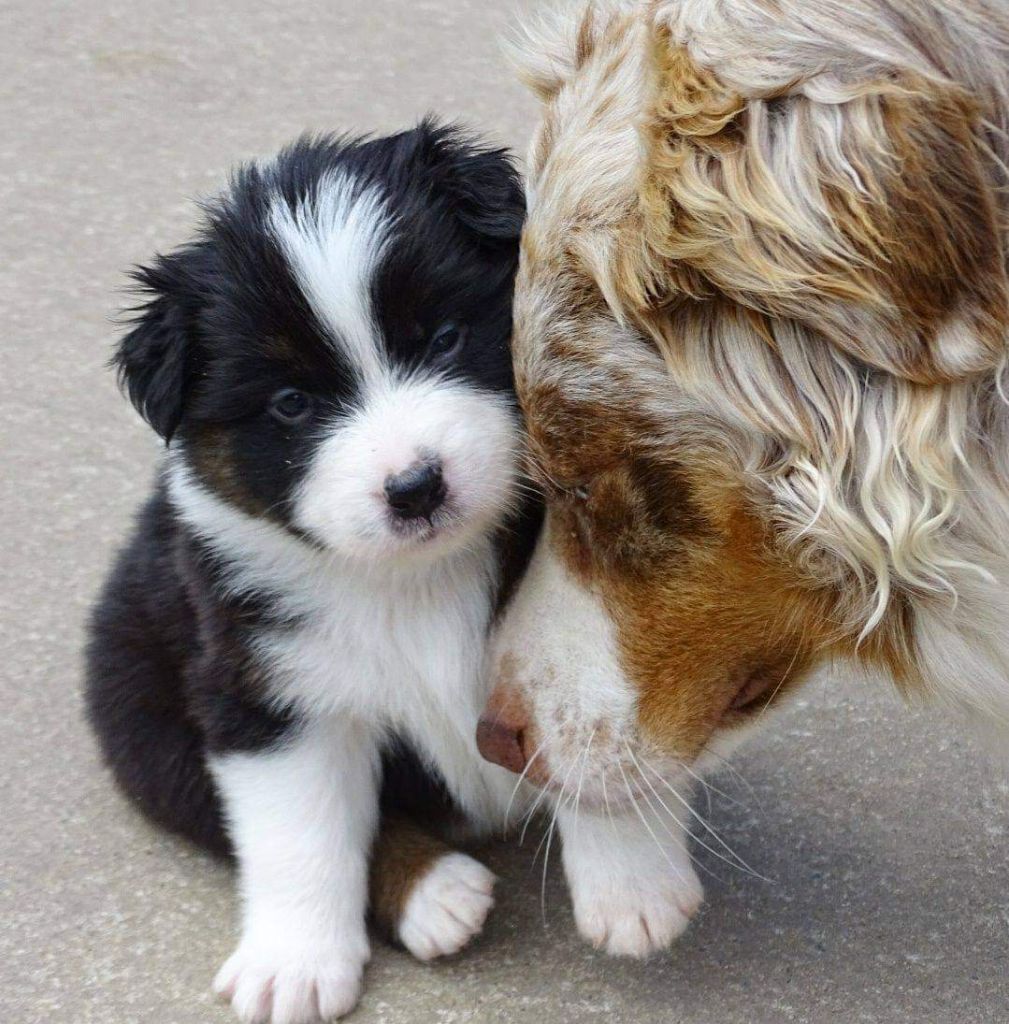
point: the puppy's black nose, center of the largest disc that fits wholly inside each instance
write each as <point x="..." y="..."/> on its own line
<point x="417" y="492"/>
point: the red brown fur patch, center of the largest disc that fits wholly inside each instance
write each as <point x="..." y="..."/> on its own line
<point x="712" y="623"/>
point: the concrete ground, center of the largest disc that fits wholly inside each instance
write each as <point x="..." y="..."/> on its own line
<point x="883" y="837"/>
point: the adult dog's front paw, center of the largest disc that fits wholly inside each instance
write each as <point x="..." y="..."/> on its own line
<point x="632" y="917"/>
<point x="631" y="896"/>
<point x="447" y="907"/>
<point x="270" y="981"/>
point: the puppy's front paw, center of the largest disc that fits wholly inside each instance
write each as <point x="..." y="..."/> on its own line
<point x="628" y="917"/>
<point x="447" y="907"/>
<point x="268" y="981"/>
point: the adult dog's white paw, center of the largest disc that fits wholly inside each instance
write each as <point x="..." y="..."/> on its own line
<point x="626" y="917"/>
<point x="631" y="895"/>
<point x="270" y="982"/>
<point x="447" y="907"/>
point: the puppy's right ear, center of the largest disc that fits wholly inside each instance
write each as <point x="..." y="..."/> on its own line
<point x="155" y="360"/>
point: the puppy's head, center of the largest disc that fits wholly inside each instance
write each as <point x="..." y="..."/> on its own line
<point x="332" y="353"/>
<point x="760" y="339"/>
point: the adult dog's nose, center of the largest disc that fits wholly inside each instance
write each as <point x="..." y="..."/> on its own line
<point x="501" y="744"/>
<point x="417" y="492"/>
<point x="501" y="732"/>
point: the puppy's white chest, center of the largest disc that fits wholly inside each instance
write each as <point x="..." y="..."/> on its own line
<point x="395" y="650"/>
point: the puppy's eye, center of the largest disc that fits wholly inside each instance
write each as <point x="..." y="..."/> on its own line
<point x="291" y="407"/>
<point x="447" y="341"/>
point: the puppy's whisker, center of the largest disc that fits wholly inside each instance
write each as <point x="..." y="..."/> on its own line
<point x="537" y="464"/>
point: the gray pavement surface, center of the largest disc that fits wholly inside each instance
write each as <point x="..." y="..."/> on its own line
<point x="884" y="837"/>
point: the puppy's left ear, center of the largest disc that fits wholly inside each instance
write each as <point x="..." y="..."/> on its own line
<point x="483" y="183"/>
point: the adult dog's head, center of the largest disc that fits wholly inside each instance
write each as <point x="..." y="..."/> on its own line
<point x="761" y="342"/>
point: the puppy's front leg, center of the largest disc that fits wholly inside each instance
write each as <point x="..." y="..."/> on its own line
<point x="424" y="894"/>
<point x="632" y="884"/>
<point x="302" y="818"/>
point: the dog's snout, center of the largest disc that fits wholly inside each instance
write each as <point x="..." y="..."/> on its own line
<point x="417" y="492"/>
<point x="503" y="731"/>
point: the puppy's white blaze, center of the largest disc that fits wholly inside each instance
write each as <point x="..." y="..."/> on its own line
<point x="334" y="240"/>
<point x="341" y="499"/>
<point x="303" y="844"/>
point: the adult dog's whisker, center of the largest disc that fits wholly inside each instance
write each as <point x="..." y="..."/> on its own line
<point x="678" y="839"/>
<point x="644" y="821"/>
<point x="519" y="781"/>
<point x="546" y="861"/>
<point x="709" y="787"/>
<point x="549" y="841"/>
<point x="737" y="862"/>
<point x="606" y="804"/>
<point x="581" y="777"/>
<point x="530" y="814"/>
<point x="725" y="763"/>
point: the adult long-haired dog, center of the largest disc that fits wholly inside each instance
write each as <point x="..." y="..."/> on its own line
<point x="761" y="345"/>
<point x="310" y="586"/>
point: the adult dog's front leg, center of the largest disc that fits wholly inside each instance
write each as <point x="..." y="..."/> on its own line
<point x="632" y="884"/>
<point x="302" y="819"/>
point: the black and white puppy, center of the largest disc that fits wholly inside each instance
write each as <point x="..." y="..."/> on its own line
<point x="310" y="586"/>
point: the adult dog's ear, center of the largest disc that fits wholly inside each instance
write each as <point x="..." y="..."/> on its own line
<point x="547" y="48"/>
<point x="155" y="361"/>
<point x="869" y="211"/>
<point x="483" y="184"/>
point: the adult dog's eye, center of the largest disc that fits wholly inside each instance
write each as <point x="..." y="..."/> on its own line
<point x="578" y="493"/>
<point x="447" y="341"/>
<point x="291" y="407"/>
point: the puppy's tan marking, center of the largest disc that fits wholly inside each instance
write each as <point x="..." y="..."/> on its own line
<point x="403" y="854"/>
